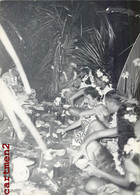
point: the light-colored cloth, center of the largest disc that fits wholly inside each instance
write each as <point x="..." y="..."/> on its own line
<point x="85" y="122"/>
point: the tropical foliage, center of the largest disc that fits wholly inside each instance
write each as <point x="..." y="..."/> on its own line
<point x="54" y="33"/>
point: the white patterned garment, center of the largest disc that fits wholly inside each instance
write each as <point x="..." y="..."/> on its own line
<point x="85" y="121"/>
<point x="80" y="136"/>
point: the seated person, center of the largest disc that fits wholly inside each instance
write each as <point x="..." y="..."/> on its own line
<point x="103" y="81"/>
<point x="130" y="156"/>
<point x="102" y="128"/>
<point x="99" y="80"/>
<point x="78" y="84"/>
<point x="86" y="116"/>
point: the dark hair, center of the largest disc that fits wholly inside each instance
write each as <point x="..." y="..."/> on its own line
<point x="136" y="159"/>
<point x="125" y="127"/>
<point x="88" y="81"/>
<point x="85" y="70"/>
<point x="114" y="96"/>
<point x="92" y="92"/>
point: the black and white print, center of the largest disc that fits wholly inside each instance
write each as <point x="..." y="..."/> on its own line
<point x="69" y="97"/>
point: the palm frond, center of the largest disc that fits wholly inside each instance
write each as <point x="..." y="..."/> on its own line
<point x="92" y="52"/>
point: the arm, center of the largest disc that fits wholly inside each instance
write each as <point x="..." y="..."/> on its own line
<point x="121" y="181"/>
<point x="96" y="135"/>
<point x="73" y="126"/>
<point x="77" y="95"/>
<point x="99" y="110"/>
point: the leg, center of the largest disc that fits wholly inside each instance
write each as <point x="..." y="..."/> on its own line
<point x="93" y="185"/>
<point x="73" y="125"/>
<point x="94" y="126"/>
<point x="91" y="150"/>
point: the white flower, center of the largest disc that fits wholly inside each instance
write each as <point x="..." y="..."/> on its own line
<point x="57" y="101"/>
<point x="52" y="67"/>
<point x="76" y="47"/>
<point x="64" y="91"/>
<point x="136" y="62"/>
<point x="125" y="75"/>
<point x="132" y="146"/>
<point x="98" y="88"/>
<point x="48" y="135"/>
<point x="55" y="135"/>
<point x="131" y="141"/>
<point x="126" y="116"/>
<point x="128" y="109"/>
<point x="99" y="73"/>
<point x="105" y="79"/>
<point x="99" y="91"/>
<point x="132" y="118"/>
<point x="85" y="78"/>
<point x="39" y="123"/>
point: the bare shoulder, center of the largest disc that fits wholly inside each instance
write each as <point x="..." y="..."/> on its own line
<point x="101" y="106"/>
<point x="103" y="109"/>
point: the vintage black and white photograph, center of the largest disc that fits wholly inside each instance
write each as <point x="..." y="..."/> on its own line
<point x="70" y="97"/>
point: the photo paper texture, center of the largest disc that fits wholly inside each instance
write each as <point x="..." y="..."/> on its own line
<point x="69" y="97"/>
